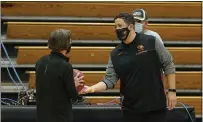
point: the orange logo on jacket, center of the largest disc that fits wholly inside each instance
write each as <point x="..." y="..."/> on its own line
<point x="140" y="48"/>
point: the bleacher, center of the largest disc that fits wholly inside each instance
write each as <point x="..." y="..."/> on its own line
<point x="27" y="25"/>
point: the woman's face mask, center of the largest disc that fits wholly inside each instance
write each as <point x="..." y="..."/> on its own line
<point x="69" y="48"/>
<point x="138" y="27"/>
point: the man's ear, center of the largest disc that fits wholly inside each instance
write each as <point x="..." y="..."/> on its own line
<point x="146" y="23"/>
<point x="131" y="27"/>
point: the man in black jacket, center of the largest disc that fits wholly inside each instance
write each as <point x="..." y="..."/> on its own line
<point x="138" y="62"/>
<point x="55" y="85"/>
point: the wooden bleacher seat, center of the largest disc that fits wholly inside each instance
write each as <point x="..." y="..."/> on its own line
<point x="184" y="80"/>
<point x="99" y="31"/>
<point x="102" y="9"/>
<point x="100" y="55"/>
<point x="194" y="101"/>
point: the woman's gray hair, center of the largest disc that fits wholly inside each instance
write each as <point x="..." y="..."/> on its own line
<point x="59" y="40"/>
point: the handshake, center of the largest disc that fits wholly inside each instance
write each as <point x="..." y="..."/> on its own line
<point x="80" y="83"/>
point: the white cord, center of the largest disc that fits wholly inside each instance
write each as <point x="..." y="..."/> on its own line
<point x="186" y="111"/>
<point x="11" y="77"/>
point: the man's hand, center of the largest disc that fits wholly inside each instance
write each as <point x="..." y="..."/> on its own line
<point x="171" y="100"/>
<point x="78" y="80"/>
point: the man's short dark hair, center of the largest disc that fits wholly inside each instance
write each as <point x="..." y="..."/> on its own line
<point x="128" y="18"/>
<point x="59" y="40"/>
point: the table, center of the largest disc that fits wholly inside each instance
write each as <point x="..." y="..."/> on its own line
<point x="87" y="113"/>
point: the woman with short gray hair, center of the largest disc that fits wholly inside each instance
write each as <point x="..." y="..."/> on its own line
<point x="55" y="86"/>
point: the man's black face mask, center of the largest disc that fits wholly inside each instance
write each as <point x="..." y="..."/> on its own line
<point x="122" y="33"/>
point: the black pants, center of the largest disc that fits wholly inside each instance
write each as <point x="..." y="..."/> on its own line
<point x="154" y="116"/>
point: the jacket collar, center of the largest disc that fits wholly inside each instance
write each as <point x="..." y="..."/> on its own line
<point x="60" y="55"/>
